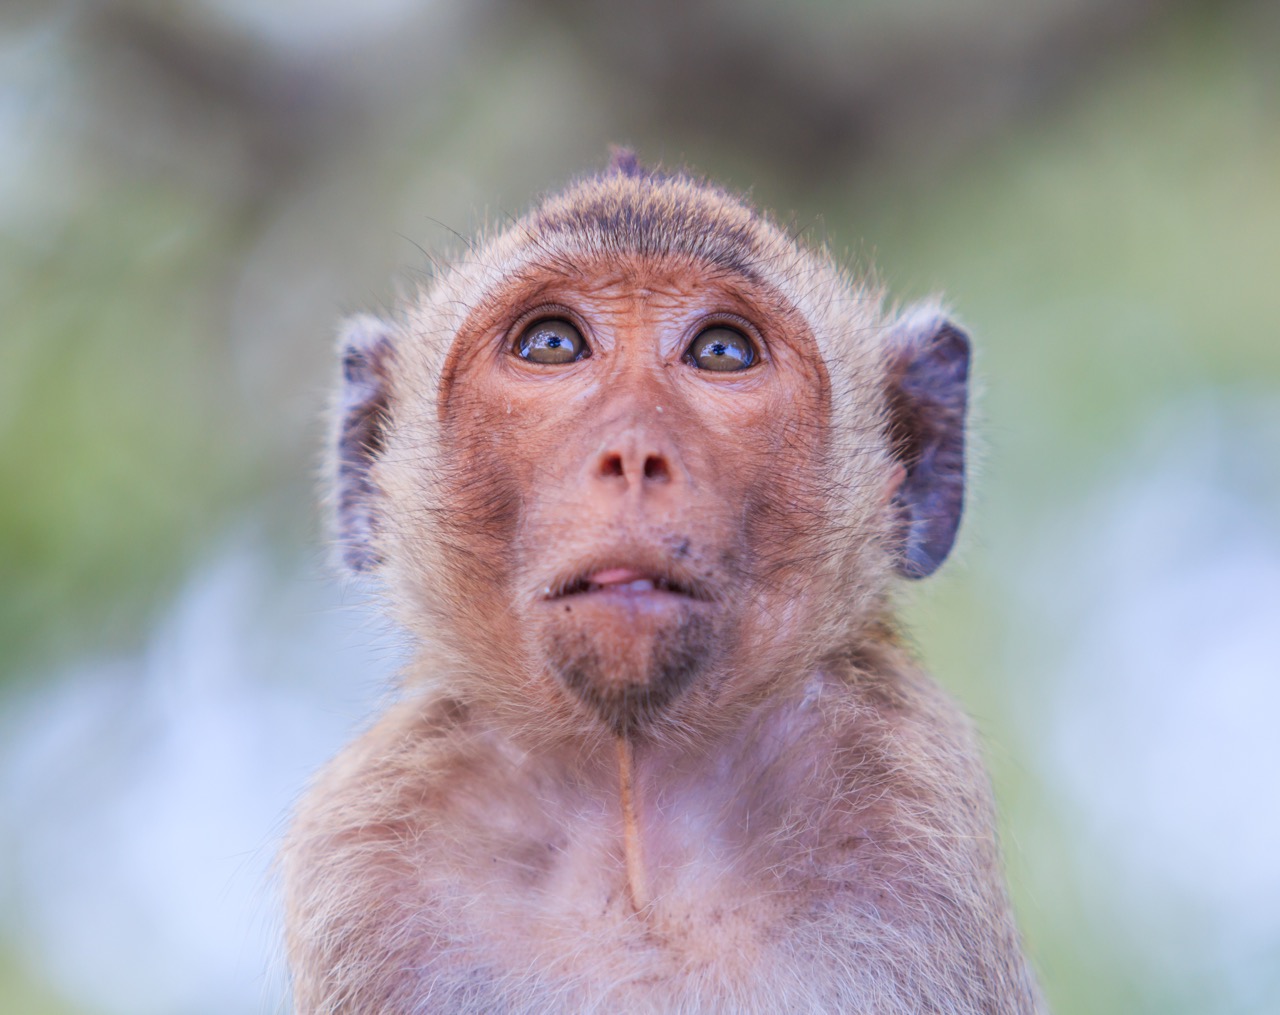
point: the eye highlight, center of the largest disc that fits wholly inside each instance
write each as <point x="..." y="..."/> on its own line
<point x="551" y="341"/>
<point x="722" y="349"/>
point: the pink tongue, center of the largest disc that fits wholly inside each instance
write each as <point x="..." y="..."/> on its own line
<point x="614" y="576"/>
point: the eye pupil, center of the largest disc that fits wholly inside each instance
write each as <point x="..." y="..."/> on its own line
<point x="552" y="341"/>
<point x="722" y="349"/>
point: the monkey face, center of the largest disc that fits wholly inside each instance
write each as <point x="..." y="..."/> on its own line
<point x="642" y="454"/>
<point x="634" y="442"/>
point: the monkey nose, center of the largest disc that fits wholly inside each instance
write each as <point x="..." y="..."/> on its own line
<point x="654" y="468"/>
<point x="633" y="461"/>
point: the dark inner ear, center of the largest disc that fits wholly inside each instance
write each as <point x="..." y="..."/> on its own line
<point x="366" y="359"/>
<point x="928" y="394"/>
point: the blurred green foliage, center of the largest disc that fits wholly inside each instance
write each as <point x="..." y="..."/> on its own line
<point x="23" y="993"/>
<point x="119" y="452"/>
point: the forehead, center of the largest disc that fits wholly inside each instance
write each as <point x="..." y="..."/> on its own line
<point x="655" y="218"/>
<point x="670" y="292"/>
<point x="628" y="277"/>
<point x="615" y="226"/>
<point x="671" y="288"/>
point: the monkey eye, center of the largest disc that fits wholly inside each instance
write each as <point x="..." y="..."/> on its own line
<point x="720" y="348"/>
<point x="551" y="341"/>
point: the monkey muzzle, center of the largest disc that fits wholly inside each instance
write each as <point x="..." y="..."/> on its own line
<point x="626" y="640"/>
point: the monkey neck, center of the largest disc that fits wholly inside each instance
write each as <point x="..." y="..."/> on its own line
<point x="637" y="885"/>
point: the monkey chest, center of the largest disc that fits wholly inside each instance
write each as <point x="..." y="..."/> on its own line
<point x="557" y="912"/>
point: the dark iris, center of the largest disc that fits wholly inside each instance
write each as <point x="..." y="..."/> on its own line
<point x="551" y="341"/>
<point x="721" y="348"/>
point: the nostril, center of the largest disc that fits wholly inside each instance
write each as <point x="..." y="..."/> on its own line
<point x="656" y="468"/>
<point x="627" y="465"/>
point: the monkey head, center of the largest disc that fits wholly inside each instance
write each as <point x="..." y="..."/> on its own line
<point x="642" y="454"/>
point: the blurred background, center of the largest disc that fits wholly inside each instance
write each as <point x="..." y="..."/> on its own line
<point x="191" y="194"/>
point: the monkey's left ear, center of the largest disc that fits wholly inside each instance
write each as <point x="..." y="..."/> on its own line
<point x="927" y="397"/>
<point x="367" y="349"/>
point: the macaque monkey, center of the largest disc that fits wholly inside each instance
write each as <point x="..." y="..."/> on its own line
<point x="637" y="476"/>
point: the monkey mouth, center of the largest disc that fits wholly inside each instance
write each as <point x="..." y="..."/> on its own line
<point x="627" y="581"/>
<point x="628" y="632"/>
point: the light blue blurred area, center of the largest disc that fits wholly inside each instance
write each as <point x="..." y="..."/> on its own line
<point x="1157" y="734"/>
<point x="189" y="198"/>
<point x="143" y="796"/>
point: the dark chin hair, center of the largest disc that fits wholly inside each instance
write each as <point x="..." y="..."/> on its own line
<point x="640" y="697"/>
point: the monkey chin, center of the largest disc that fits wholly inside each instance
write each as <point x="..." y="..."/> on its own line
<point x="626" y="656"/>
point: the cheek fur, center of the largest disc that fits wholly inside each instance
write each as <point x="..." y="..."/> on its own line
<point x="785" y="527"/>
<point x="478" y="505"/>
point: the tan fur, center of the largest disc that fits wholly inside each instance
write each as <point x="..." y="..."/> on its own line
<point x="808" y="826"/>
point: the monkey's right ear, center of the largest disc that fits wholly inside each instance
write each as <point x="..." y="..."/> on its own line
<point x="367" y="350"/>
<point x="928" y="394"/>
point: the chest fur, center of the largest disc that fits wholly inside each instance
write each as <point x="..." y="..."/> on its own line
<point x="551" y="915"/>
<point x="534" y="889"/>
<point x="805" y="866"/>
